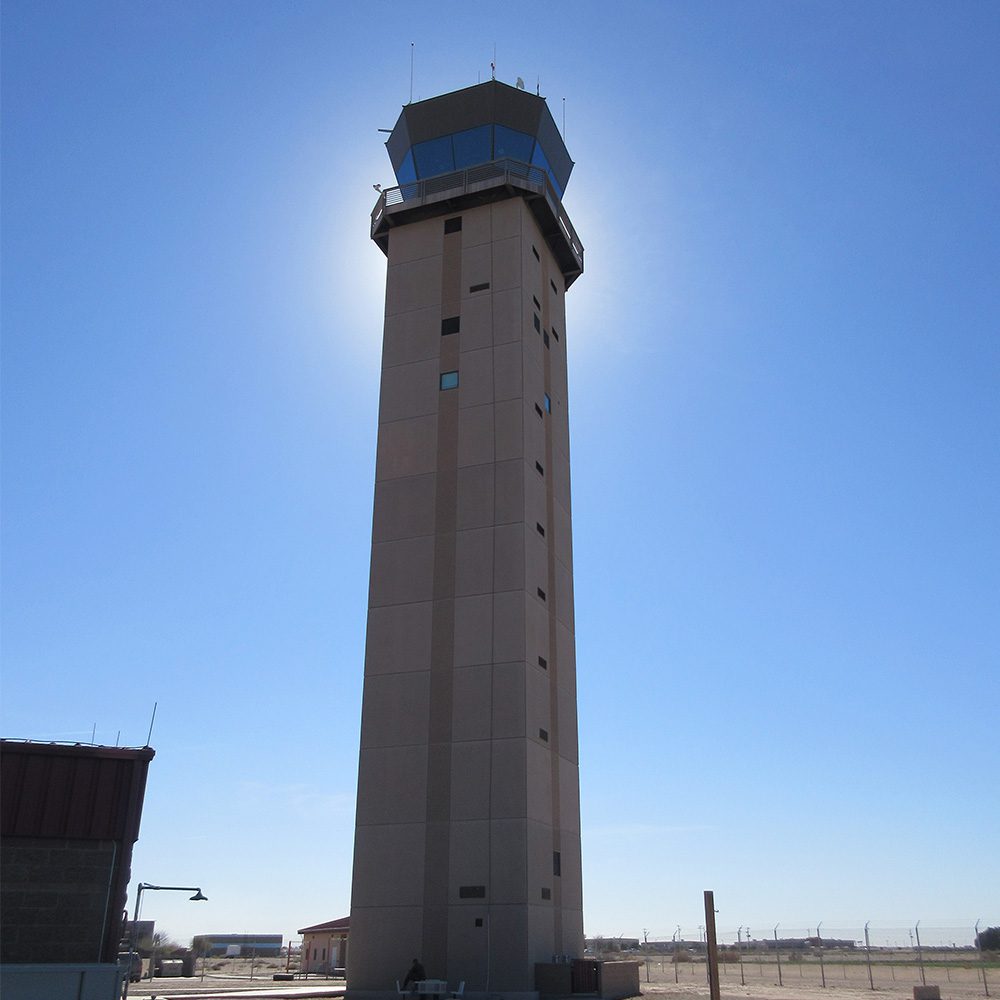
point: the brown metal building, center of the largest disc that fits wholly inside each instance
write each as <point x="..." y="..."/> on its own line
<point x="69" y="817"/>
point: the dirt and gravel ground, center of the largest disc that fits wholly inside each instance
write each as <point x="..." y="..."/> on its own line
<point x="658" y="980"/>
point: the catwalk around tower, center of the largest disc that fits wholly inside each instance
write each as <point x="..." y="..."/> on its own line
<point x="467" y="845"/>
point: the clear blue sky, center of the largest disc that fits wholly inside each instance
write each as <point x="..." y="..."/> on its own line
<point x="785" y="414"/>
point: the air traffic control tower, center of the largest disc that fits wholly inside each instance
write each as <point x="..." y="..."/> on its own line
<point x="467" y="845"/>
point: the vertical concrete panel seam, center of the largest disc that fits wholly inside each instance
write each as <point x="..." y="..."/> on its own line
<point x="554" y="745"/>
<point x="438" y="795"/>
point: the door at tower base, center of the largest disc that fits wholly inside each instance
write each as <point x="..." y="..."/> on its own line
<point x="467" y="849"/>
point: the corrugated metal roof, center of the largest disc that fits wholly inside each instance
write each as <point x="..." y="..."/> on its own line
<point x="72" y="790"/>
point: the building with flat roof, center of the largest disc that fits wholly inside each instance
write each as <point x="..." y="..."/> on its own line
<point x="243" y="945"/>
<point x="467" y="846"/>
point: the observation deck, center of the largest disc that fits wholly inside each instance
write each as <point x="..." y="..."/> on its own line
<point x="477" y="145"/>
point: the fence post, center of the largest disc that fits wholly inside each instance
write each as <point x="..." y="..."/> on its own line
<point x="822" y="969"/>
<point x="868" y="956"/>
<point x="920" y="956"/>
<point x="777" y="953"/>
<point x="739" y="953"/>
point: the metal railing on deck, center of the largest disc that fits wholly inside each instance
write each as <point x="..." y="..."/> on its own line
<point x="497" y="173"/>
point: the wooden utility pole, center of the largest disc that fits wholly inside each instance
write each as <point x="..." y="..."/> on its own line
<point x="713" y="948"/>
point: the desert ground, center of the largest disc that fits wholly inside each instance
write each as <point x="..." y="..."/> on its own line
<point x="846" y="979"/>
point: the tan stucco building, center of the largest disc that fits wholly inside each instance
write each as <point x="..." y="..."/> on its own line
<point x="324" y="946"/>
<point x="467" y="850"/>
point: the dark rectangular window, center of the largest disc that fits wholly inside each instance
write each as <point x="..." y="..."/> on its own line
<point x="538" y="304"/>
<point x="538" y="467"/>
<point x="543" y="735"/>
<point x="479" y="921"/>
<point x="555" y="333"/>
<point x="535" y="252"/>
<point x="453" y="225"/>
<point x="450" y="325"/>
<point x="543" y="663"/>
<point x="480" y="287"/>
<point x="546" y="893"/>
<point x="539" y="529"/>
<point x="553" y="284"/>
<point x="545" y="337"/>
<point x="449" y="380"/>
<point x="548" y="403"/>
<point x="538" y="410"/>
<point x="472" y="892"/>
<point x="556" y="863"/>
<point x="541" y="593"/>
<point x="538" y="323"/>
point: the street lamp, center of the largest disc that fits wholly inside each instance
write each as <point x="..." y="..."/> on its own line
<point x="198" y="897"/>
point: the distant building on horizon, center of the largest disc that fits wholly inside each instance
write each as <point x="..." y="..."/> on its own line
<point x="467" y="845"/>
<point x="261" y="945"/>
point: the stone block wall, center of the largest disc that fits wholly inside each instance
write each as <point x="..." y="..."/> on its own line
<point x="54" y="899"/>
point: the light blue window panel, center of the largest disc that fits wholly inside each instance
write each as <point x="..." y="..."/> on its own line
<point x="511" y="144"/>
<point x="472" y="146"/>
<point x="406" y="174"/>
<point x="548" y="403"/>
<point x="434" y="157"/>
<point x="449" y="380"/>
<point x="539" y="159"/>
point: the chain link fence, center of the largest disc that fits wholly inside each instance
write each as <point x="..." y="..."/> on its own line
<point x="872" y="956"/>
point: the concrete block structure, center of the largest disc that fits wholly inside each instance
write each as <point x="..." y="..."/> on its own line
<point x="467" y="848"/>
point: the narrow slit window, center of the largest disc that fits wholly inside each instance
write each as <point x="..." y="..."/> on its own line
<point x="538" y="324"/>
<point x="538" y="304"/>
<point x="553" y="284"/>
<point x="450" y="325"/>
<point x="543" y="663"/>
<point x="548" y="403"/>
<point x="453" y="225"/>
<point x="539" y="529"/>
<point x="538" y="410"/>
<point x="543" y="735"/>
<point x="545" y="337"/>
<point x="538" y="465"/>
<point x="555" y="333"/>
<point x="541" y="593"/>
<point x="546" y="893"/>
<point x="472" y="892"/>
<point x="449" y="380"/>
<point x="535" y="252"/>
<point x="556" y="863"/>
<point x="481" y="287"/>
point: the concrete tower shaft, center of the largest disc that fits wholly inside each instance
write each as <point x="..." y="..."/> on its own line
<point x="467" y="850"/>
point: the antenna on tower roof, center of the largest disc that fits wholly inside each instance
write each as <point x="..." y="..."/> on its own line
<point x="411" y="72"/>
<point x="520" y="84"/>
<point x="564" y="119"/>
<point x="538" y="86"/>
<point x="493" y="65"/>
